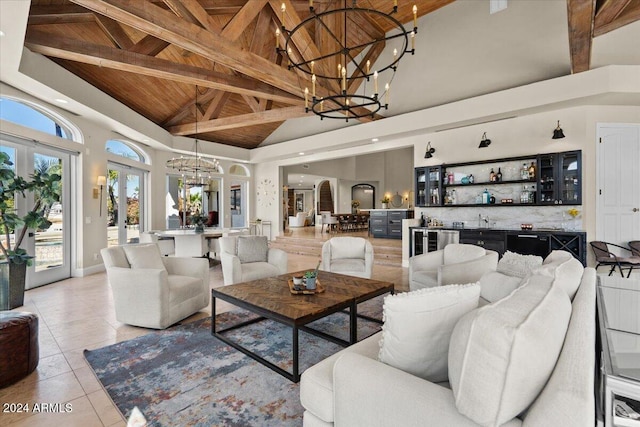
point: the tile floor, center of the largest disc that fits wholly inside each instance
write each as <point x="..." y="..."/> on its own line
<point x="77" y="314"/>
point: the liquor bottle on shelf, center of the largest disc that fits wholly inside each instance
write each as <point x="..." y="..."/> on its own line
<point x="492" y="175"/>
<point x="532" y="171"/>
<point x="532" y="194"/>
<point x="486" y="197"/>
<point x="454" y="197"/>
<point x="524" y="172"/>
<point x="471" y="179"/>
<point x="524" y="195"/>
<point x="499" y="175"/>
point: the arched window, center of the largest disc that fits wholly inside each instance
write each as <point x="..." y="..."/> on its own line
<point x="123" y="149"/>
<point x="35" y="117"/>
<point x="238" y="170"/>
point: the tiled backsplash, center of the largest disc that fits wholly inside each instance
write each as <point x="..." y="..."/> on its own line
<point x="507" y="217"/>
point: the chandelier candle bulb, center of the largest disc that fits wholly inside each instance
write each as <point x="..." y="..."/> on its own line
<point x="312" y="66"/>
<point x="339" y="68"/>
<point x="313" y="85"/>
<point x="386" y="94"/>
<point x="368" y="66"/>
<point x="283" y="8"/>
<point x="277" y="39"/>
<point x="413" y="41"/>
<point x="395" y="54"/>
<point x="415" y="16"/>
<point x="306" y="97"/>
<point x="344" y="79"/>
<point x="375" y="82"/>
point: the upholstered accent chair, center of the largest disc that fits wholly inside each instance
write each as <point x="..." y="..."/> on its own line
<point x="298" y="220"/>
<point x="246" y="258"/>
<point x="330" y="221"/>
<point x="455" y="264"/>
<point x="352" y="256"/>
<point x="153" y="291"/>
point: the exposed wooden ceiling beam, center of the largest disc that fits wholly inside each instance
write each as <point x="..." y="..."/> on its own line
<point x="242" y="19"/>
<point x="149" y="45"/>
<point x="630" y="13"/>
<point x="191" y="11"/>
<point x="185" y="110"/>
<point x="58" y="14"/>
<point x="580" y="15"/>
<point x="216" y="105"/>
<point x="165" y="25"/>
<point x="105" y="56"/>
<point x="609" y="10"/>
<point x="114" y="31"/>
<point x="243" y="120"/>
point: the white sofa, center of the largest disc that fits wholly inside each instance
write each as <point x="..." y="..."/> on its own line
<point x="352" y="256"/>
<point x="456" y="263"/>
<point x="154" y="291"/>
<point x="352" y="388"/>
<point x="246" y="258"/>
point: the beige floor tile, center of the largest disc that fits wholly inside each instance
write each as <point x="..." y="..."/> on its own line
<point x="87" y="380"/>
<point x="75" y="358"/>
<point x="105" y="408"/>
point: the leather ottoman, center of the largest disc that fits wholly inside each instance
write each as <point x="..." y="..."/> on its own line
<point x="19" y="343"/>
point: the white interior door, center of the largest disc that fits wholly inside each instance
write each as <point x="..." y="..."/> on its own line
<point x="618" y="165"/>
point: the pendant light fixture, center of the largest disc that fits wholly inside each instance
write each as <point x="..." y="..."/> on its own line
<point x="485" y="142"/>
<point x="429" y="153"/>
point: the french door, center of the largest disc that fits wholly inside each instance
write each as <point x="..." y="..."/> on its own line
<point x="51" y="247"/>
<point x="125" y="204"/>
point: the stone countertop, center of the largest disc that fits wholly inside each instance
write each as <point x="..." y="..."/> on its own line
<point x="535" y="230"/>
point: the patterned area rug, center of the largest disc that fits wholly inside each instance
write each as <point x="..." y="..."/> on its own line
<point x="183" y="376"/>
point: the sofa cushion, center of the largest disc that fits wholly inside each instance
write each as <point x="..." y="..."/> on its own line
<point x="181" y="288"/>
<point x="347" y="264"/>
<point x="565" y="269"/>
<point x="144" y="256"/>
<point x="347" y="247"/>
<point x="316" y="383"/>
<point x="258" y="270"/>
<point x="501" y="355"/>
<point x="517" y="265"/>
<point x="418" y="325"/>
<point x="252" y="248"/>
<point x="453" y="254"/>
<point x="495" y="286"/>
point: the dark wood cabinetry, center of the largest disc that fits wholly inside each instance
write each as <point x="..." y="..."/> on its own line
<point x="560" y="178"/>
<point x="493" y="240"/>
<point x="557" y="180"/>
<point x="388" y="223"/>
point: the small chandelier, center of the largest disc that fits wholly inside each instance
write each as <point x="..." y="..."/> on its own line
<point x="194" y="169"/>
<point x="342" y="82"/>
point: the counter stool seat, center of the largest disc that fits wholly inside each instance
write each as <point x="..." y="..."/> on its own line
<point x="19" y="343"/>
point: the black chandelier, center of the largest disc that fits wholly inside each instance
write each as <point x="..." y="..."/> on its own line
<point x="342" y="101"/>
<point x="195" y="169"/>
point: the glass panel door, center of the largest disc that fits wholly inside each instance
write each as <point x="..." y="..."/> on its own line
<point x="125" y="207"/>
<point x="50" y="246"/>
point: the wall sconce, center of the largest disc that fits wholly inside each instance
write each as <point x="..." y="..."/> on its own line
<point x="485" y="142"/>
<point x="429" y="153"/>
<point x="100" y="182"/>
<point x="557" y="133"/>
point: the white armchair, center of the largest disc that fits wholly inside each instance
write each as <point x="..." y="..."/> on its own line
<point x="352" y="256"/>
<point x="298" y="220"/>
<point x="455" y="264"/>
<point x="153" y="291"/>
<point x="246" y="258"/>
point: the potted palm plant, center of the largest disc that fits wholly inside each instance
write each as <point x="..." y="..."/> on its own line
<point x="14" y="259"/>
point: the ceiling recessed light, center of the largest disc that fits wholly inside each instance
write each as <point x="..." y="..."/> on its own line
<point x="301" y="153"/>
<point x="62" y="101"/>
<point x="374" y="140"/>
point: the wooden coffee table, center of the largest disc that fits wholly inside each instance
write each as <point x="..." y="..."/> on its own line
<point x="271" y="299"/>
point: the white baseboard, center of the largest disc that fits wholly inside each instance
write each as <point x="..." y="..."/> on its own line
<point x="82" y="272"/>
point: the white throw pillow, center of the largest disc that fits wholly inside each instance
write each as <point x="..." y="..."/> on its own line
<point x="517" y="265"/>
<point x="494" y="286"/>
<point x="144" y="256"/>
<point x="565" y="269"/>
<point x="253" y="248"/>
<point x="501" y="355"/>
<point x="418" y="325"/>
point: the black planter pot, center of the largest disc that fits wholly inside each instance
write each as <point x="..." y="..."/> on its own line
<point x="12" y="282"/>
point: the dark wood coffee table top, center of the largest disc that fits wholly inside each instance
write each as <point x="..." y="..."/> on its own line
<point x="273" y="295"/>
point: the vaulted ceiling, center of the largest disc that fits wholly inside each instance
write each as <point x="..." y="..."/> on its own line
<point x="158" y="56"/>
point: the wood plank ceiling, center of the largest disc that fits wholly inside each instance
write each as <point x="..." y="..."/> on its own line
<point x="151" y="55"/>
